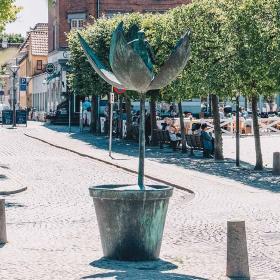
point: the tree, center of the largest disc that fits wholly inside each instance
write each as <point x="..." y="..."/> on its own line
<point x="209" y="70"/>
<point x="13" y="38"/>
<point x="8" y="12"/>
<point x="256" y="51"/>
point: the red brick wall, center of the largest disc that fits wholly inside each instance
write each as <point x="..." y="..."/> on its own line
<point x="73" y="6"/>
<point x="64" y="7"/>
<point x="139" y="5"/>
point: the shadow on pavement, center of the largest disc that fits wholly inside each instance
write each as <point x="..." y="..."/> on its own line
<point x="245" y="174"/>
<point x="13" y="204"/>
<point x="138" y="270"/>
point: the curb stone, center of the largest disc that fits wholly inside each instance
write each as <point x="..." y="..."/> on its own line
<point x="13" y="191"/>
<point x="111" y="164"/>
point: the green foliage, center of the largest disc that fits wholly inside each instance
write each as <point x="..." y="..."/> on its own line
<point x="13" y="38"/>
<point x="235" y="48"/>
<point x="8" y="12"/>
<point x="254" y="35"/>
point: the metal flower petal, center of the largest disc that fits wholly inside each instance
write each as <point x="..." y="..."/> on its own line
<point x="97" y="65"/>
<point x="127" y="65"/>
<point x="174" y="65"/>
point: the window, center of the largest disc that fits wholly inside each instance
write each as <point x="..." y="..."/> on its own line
<point x="77" y="23"/>
<point x="39" y="65"/>
<point x="111" y="13"/>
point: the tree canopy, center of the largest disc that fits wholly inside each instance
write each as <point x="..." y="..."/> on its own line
<point x="8" y="12"/>
<point x="234" y="47"/>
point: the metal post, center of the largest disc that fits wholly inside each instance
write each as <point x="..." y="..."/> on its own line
<point x="14" y="99"/>
<point x="121" y="116"/>
<point x="98" y="127"/>
<point x="237" y="133"/>
<point x="111" y="101"/>
<point x="141" y="142"/>
<point x="69" y="113"/>
<point x="81" y="116"/>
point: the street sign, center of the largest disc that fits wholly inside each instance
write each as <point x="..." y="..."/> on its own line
<point x="23" y="84"/>
<point x="112" y="97"/>
<point x="50" y="68"/>
<point x="119" y="90"/>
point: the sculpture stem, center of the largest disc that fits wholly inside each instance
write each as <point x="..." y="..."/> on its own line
<point x="141" y="142"/>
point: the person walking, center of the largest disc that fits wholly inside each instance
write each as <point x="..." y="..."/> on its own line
<point x="87" y="112"/>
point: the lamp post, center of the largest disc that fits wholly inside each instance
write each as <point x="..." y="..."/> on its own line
<point x="28" y="79"/>
<point x="14" y="69"/>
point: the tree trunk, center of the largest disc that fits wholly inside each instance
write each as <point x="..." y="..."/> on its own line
<point x="153" y="113"/>
<point x="210" y="105"/>
<point x="183" y="130"/>
<point x="128" y="118"/>
<point x="246" y="104"/>
<point x="259" y="161"/>
<point x="141" y="142"/>
<point x="93" y="114"/>
<point x="217" y="128"/>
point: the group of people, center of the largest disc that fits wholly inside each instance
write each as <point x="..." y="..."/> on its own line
<point x="197" y="129"/>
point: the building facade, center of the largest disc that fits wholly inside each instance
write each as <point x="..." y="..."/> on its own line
<point x="32" y="60"/>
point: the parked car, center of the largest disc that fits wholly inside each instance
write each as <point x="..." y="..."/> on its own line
<point x="3" y="107"/>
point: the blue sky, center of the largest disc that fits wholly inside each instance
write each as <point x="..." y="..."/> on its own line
<point x="34" y="11"/>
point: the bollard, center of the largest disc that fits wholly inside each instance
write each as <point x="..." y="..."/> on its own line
<point x="237" y="254"/>
<point x="276" y="163"/>
<point x="3" y="233"/>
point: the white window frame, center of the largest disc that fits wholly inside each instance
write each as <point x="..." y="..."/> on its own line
<point x="77" y="23"/>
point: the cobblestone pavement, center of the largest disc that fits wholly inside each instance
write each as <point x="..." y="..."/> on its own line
<point x="52" y="229"/>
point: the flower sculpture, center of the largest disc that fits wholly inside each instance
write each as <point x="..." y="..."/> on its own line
<point x="132" y="69"/>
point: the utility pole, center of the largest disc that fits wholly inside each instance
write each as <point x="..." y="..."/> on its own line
<point x="14" y="69"/>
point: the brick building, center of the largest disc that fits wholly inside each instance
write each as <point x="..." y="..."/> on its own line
<point x="67" y="14"/>
<point x="32" y="59"/>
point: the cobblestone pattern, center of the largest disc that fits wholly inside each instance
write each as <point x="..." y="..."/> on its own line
<point x="53" y="231"/>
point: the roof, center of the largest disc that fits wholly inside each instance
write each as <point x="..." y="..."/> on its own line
<point x="39" y="43"/>
<point x="37" y="39"/>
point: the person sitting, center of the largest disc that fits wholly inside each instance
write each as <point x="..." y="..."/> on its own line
<point x="175" y="135"/>
<point x="207" y="141"/>
<point x="196" y="128"/>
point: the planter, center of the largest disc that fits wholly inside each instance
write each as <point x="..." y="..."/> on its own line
<point x="131" y="221"/>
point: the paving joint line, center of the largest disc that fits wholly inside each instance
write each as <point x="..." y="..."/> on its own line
<point x="110" y="163"/>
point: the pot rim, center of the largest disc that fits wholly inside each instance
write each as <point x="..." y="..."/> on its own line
<point x="113" y="193"/>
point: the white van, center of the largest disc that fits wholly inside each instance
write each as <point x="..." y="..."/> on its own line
<point x="3" y="107"/>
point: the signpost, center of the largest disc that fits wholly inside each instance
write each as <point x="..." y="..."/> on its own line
<point x="119" y="90"/>
<point x="23" y="84"/>
<point x="50" y="68"/>
<point x="111" y="123"/>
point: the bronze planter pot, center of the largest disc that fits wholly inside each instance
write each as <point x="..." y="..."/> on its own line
<point x="130" y="220"/>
